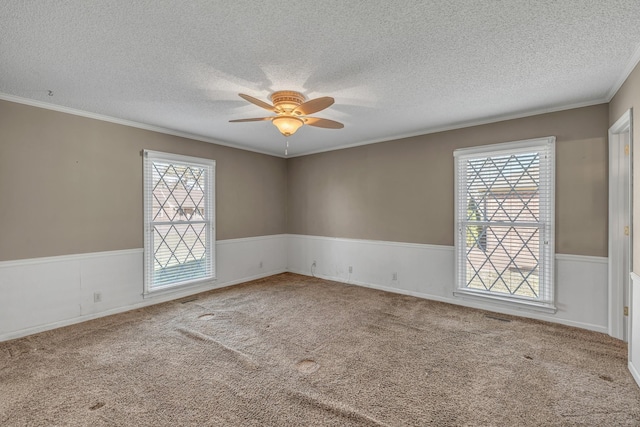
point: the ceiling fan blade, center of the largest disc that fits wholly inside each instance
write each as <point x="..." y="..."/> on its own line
<point x="313" y="105"/>
<point x="323" y="123"/>
<point x="257" y="102"/>
<point x="260" y="119"/>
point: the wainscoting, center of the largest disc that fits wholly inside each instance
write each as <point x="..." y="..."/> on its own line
<point x="427" y="271"/>
<point x="634" y="331"/>
<point x="45" y="293"/>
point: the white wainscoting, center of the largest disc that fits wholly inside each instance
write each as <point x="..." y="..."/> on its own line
<point x="45" y="293"/>
<point x="427" y="271"/>
<point x="634" y="329"/>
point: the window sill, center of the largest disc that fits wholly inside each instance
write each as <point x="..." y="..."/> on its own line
<point x="179" y="288"/>
<point x="504" y="301"/>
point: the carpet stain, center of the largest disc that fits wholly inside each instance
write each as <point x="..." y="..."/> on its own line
<point x="207" y="316"/>
<point x="97" y="406"/>
<point x="606" y="378"/>
<point x="528" y="357"/>
<point x="307" y="366"/>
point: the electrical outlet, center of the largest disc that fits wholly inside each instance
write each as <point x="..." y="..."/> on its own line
<point x="394" y="276"/>
<point x="97" y="297"/>
<point x="350" y="269"/>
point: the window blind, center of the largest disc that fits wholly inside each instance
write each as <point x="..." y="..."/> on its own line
<point x="505" y="221"/>
<point x="179" y="219"/>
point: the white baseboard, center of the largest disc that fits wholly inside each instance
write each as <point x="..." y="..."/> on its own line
<point x="427" y="271"/>
<point x="634" y="373"/>
<point x="46" y="293"/>
<point x="634" y="327"/>
<point x="122" y="309"/>
<point x="466" y="303"/>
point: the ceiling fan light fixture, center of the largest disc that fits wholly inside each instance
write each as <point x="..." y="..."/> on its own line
<point x="292" y="111"/>
<point x="287" y="125"/>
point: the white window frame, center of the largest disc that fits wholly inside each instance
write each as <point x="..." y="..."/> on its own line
<point x="546" y="148"/>
<point x="209" y="166"/>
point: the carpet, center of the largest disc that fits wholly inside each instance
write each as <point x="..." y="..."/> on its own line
<point x="291" y="350"/>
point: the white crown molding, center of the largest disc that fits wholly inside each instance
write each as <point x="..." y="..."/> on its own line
<point x="130" y="123"/>
<point x="426" y="131"/>
<point x="631" y="65"/>
<point x="463" y="125"/>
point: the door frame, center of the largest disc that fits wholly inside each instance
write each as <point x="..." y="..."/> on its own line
<point x="618" y="242"/>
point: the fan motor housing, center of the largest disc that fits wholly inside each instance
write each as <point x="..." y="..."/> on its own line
<point x="287" y="100"/>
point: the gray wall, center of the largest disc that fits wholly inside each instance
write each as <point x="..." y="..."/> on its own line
<point x="628" y="96"/>
<point x="70" y="184"/>
<point x="402" y="190"/>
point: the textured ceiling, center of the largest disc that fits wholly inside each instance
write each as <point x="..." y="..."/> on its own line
<point x="394" y="68"/>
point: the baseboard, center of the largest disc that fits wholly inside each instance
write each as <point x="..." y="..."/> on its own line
<point x="634" y="327"/>
<point x="147" y="302"/>
<point x="428" y="271"/>
<point x="464" y="303"/>
<point x="634" y="373"/>
<point x="45" y="293"/>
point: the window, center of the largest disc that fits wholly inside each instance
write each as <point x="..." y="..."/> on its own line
<point x="179" y="220"/>
<point x="505" y="222"/>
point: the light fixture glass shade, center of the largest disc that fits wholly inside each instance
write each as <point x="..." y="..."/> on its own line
<point x="287" y="125"/>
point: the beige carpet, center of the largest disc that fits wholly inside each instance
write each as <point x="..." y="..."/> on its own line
<point x="291" y="350"/>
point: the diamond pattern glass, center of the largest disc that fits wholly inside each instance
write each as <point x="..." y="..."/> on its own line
<point x="179" y="223"/>
<point x="502" y="224"/>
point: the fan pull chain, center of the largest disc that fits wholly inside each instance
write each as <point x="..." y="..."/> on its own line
<point x="286" y="148"/>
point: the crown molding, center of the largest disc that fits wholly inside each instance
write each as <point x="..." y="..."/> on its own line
<point x="463" y="125"/>
<point x="123" y="122"/>
<point x="167" y="131"/>
<point x="631" y="65"/>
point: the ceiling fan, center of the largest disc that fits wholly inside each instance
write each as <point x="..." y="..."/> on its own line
<point x="291" y="111"/>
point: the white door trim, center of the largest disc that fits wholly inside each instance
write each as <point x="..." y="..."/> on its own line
<point x="634" y="316"/>
<point x="617" y="239"/>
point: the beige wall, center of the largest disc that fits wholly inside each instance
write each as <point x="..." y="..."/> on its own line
<point x="402" y="190"/>
<point x="70" y="184"/>
<point x="85" y="177"/>
<point x="628" y="96"/>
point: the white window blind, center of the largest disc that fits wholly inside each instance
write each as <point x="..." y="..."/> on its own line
<point x="179" y="218"/>
<point x="505" y="221"/>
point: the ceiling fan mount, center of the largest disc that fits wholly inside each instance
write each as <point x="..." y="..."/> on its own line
<point x="292" y="111"/>
<point x="286" y="100"/>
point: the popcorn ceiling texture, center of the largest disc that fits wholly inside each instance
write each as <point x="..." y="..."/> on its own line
<point x="394" y="68"/>
<point x="291" y="350"/>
